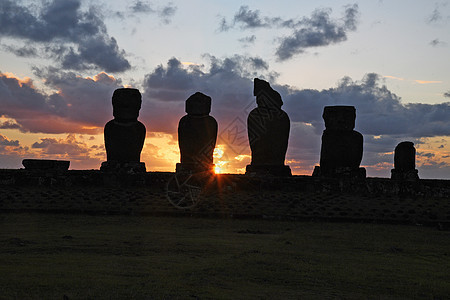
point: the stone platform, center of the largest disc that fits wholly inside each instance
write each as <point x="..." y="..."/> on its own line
<point x="228" y="196"/>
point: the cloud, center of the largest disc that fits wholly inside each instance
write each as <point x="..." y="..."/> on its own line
<point x="248" y="19"/>
<point x="437" y="43"/>
<point x="436" y="16"/>
<point x="141" y="7"/>
<point x="393" y="77"/>
<point x="447" y="94"/>
<point x="4" y="141"/>
<point x="60" y="30"/>
<point x="316" y="31"/>
<point x="10" y="125"/>
<point x="81" y="105"/>
<point x="379" y="111"/>
<point x="69" y="148"/>
<point x="427" y="155"/>
<point x="248" y="39"/>
<point x="427" y="81"/>
<point x="167" y="12"/>
<point x="164" y="12"/>
<point x="22" y="51"/>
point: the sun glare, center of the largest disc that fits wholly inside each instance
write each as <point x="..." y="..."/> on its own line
<point x="219" y="165"/>
<point x="217" y="170"/>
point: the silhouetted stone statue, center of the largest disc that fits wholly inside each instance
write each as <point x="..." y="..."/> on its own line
<point x="268" y="132"/>
<point x="124" y="135"/>
<point x="197" y="135"/>
<point x="342" y="147"/>
<point x="405" y="162"/>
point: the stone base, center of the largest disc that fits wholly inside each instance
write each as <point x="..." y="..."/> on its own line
<point x="45" y="165"/>
<point x="124" y="167"/>
<point x="341" y="172"/>
<point x="410" y="175"/>
<point x="193" y="168"/>
<point x="271" y="170"/>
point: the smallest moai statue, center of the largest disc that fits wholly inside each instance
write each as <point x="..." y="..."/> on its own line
<point x="405" y="162"/>
<point x="342" y="147"/>
<point x="124" y="135"/>
<point x="197" y="135"/>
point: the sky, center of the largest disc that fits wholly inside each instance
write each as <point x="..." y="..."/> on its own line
<point x="61" y="60"/>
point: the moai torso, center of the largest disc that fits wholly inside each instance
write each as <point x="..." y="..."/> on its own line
<point x="342" y="147"/>
<point x="197" y="134"/>
<point x="405" y="156"/>
<point x="268" y="131"/>
<point x="405" y="162"/>
<point x="125" y="135"/>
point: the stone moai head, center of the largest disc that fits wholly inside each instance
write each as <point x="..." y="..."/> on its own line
<point x="198" y="104"/>
<point x="339" y="118"/>
<point x="126" y="104"/>
<point x="266" y="96"/>
<point x="405" y="156"/>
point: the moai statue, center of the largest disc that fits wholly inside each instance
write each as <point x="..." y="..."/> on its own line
<point x="268" y="133"/>
<point x="342" y="147"/>
<point x="124" y="135"/>
<point x="405" y="162"/>
<point x="197" y="135"/>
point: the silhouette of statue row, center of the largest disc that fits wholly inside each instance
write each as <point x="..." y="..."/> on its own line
<point x="268" y="133"/>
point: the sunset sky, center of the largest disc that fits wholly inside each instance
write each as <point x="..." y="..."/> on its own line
<point x="60" y="62"/>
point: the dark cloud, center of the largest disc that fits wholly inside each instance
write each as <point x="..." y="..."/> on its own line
<point x="22" y="51"/>
<point x="4" y="141"/>
<point x="316" y="31"/>
<point x="447" y="94"/>
<point x="141" y="7"/>
<point x="165" y="13"/>
<point x="248" y="19"/>
<point x="10" y="125"/>
<point x="78" y="105"/>
<point x="248" y="39"/>
<point x="437" y="43"/>
<point x="379" y="111"/>
<point x="436" y="15"/>
<point x="427" y="155"/>
<point x="77" y="39"/>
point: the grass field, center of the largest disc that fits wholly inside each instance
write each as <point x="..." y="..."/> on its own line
<point x="128" y="257"/>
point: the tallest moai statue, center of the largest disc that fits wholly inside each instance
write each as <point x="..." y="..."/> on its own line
<point x="268" y="132"/>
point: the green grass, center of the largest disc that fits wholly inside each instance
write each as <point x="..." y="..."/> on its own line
<point x="122" y="257"/>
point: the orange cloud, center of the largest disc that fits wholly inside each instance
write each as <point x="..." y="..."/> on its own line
<point x="427" y="81"/>
<point x="393" y="77"/>
<point x="21" y="81"/>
